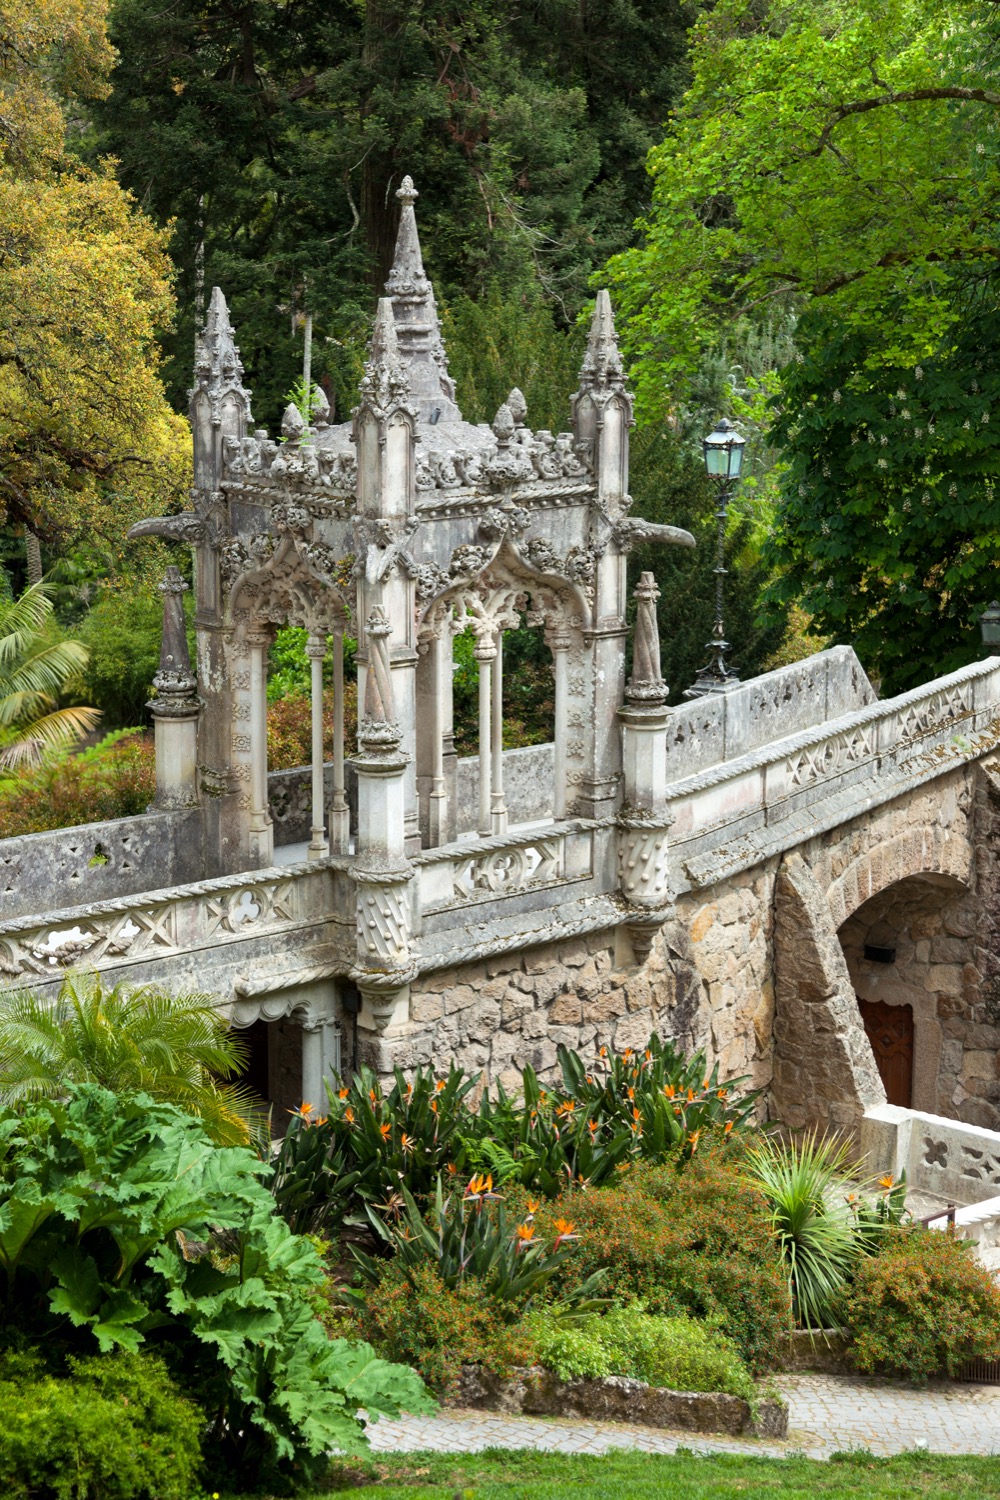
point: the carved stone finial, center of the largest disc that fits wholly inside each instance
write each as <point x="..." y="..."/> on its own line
<point x="321" y="406"/>
<point x="504" y="425"/>
<point x="602" y="363"/>
<point x="646" y="686"/>
<point x="518" y="407"/>
<point x="292" y="424"/>
<point x="175" y="683"/>
<point x="420" y="344"/>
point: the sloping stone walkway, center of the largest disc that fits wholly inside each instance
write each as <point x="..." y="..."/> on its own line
<point x="827" y="1414"/>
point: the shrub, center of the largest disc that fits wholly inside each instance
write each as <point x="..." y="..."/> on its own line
<point x="410" y="1315"/>
<point x="114" y="779"/>
<point x="289" y="728"/>
<point x="122" y="634"/>
<point x="921" y="1307"/>
<point x="696" y="1242"/>
<point x="107" y="1428"/>
<point x="675" y="1352"/>
<point x="120" y="1220"/>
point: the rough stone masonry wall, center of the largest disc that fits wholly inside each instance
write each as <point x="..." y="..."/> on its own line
<point x="753" y="971"/>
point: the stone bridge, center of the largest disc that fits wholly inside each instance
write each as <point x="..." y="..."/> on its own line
<point x="823" y="848"/>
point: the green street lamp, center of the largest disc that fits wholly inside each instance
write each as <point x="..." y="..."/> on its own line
<point x="724" y="464"/>
<point x="989" y="625"/>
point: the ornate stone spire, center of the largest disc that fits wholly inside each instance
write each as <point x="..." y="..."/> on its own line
<point x="385" y="385"/>
<point x="415" y="310"/>
<point x="602" y="364"/>
<point x="217" y="358"/>
<point x="646" y="687"/>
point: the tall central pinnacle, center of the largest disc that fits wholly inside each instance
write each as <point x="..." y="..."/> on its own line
<point x="418" y="330"/>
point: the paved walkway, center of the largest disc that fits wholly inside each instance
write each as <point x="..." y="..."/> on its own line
<point x="827" y="1414"/>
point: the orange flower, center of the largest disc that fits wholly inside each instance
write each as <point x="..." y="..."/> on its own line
<point x="590" y="1078"/>
<point x="371" y="1095"/>
<point x="533" y="1204"/>
<point x="479" y="1186"/>
<point x="729" y="1126"/>
<point x="628" y="1053"/>
<point x="886" y="1182"/>
<point x="563" y="1227"/>
<point x="321" y="1121"/>
<point x="385" y="1131"/>
<point x="303" y="1109"/>
<point x="439" y="1086"/>
<point x="694" y="1138"/>
<point x="409" y="1090"/>
<point x="631" y="1093"/>
<point x="566" y="1108"/>
<point x="722" y="1094"/>
<point x="603" y="1052"/>
<point x="669" y="1090"/>
<point x="706" y="1083"/>
<point x="407" y="1142"/>
<point x="451" y="1169"/>
<point x="635" y="1113"/>
<point x="434" y="1107"/>
<point x="690" y="1095"/>
<point x="592" y="1127"/>
<point x="525" y="1235"/>
<point x="648" y="1055"/>
<point x="349" y="1115"/>
<point x="342" y="1093"/>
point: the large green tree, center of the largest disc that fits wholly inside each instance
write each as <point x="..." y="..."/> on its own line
<point x="839" y="159"/>
<point x="272" y="137"/>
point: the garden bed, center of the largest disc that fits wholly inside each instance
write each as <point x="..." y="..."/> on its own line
<point x="537" y="1392"/>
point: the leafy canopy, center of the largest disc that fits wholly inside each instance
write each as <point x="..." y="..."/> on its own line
<point x="842" y="150"/>
<point x="87" y="441"/>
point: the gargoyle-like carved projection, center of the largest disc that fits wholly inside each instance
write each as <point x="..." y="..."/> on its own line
<point x="405" y="527"/>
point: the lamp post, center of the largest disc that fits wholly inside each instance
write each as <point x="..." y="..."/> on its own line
<point x="989" y="625"/>
<point x="723" y="463"/>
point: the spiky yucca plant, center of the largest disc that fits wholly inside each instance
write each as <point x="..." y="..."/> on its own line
<point x="176" y="1048"/>
<point x="802" y="1180"/>
<point x="33" y="673"/>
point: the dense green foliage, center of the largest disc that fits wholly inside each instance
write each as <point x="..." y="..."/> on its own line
<point x="675" y="1352"/>
<point x="123" y="1224"/>
<point x="115" y="778"/>
<point x="923" y="1306"/>
<point x="34" y="671"/>
<point x="132" y="1039"/>
<point x="888" y="530"/>
<point x="111" y="1427"/>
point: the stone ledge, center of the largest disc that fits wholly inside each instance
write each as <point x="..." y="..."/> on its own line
<point x="537" y="1392"/>
<point x="824" y="1352"/>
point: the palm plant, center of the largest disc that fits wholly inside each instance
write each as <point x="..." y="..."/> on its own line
<point x="33" y="672"/>
<point x="176" y="1048"/>
<point x="800" y="1180"/>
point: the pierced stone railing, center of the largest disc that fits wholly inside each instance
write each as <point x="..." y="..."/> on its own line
<point x="166" y="924"/>
<point x="460" y="875"/>
<point x="750" y="804"/>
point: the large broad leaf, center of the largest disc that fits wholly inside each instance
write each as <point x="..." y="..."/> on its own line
<point x="21" y="1216"/>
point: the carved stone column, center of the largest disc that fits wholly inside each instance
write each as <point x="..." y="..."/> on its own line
<point x="320" y="1058"/>
<point x="176" y="706"/>
<point x="261" y="827"/>
<point x="381" y="870"/>
<point x="340" y="815"/>
<point x="485" y="654"/>
<point x="644" y="822"/>
<point x="316" y="652"/>
<point x="559" y="643"/>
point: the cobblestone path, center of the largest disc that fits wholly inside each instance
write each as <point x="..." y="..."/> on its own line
<point x="827" y="1414"/>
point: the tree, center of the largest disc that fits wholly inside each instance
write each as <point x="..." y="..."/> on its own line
<point x="87" y="441"/>
<point x="889" y="534"/>
<point x="273" y="137"/>
<point x="33" y="672"/>
<point x="130" y="1040"/>
<point x="844" y="152"/>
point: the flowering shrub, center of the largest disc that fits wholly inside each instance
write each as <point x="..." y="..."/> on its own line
<point x="411" y="1316"/>
<point x="921" y="1307"/>
<point x="289" y="728"/>
<point x="697" y="1242"/>
<point x="656" y="1104"/>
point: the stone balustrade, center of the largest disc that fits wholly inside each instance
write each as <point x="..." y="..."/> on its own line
<point x="730" y="816"/>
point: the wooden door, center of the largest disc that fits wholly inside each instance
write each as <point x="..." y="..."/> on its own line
<point x="889" y="1028"/>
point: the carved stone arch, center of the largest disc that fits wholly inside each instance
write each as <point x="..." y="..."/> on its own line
<point x="929" y="851"/>
<point x="485" y="581"/>
<point x="292" y="583"/>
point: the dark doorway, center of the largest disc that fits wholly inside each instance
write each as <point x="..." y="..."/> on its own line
<point x="889" y="1028"/>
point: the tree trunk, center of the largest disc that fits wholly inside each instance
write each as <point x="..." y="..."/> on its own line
<point x="33" y="548"/>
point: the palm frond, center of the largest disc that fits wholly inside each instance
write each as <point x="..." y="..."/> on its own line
<point x="51" y="733"/>
<point x="22" y="620"/>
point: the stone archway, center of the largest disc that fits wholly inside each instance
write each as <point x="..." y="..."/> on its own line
<point x="912" y="947"/>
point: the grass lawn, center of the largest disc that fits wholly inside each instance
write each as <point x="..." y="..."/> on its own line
<point x="526" y="1475"/>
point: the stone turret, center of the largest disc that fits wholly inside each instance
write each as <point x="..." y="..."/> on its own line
<point x="219" y="401"/>
<point x="602" y="407"/>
